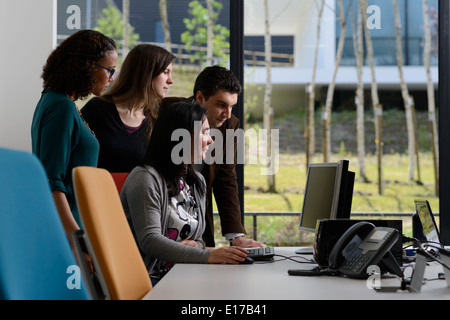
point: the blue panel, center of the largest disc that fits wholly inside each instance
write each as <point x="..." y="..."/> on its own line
<point x="34" y="251"/>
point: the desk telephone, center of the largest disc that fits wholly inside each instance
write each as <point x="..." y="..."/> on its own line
<point x="361" y="246"/>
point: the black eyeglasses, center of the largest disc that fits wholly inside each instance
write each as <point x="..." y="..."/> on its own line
<point x="111" y="71"/>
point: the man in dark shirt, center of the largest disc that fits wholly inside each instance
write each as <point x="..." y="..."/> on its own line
<point x="217" y="89"/>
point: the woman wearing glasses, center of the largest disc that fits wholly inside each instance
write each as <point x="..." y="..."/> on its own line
<point x="123" y="117"/>
<point x="61" y="139"/>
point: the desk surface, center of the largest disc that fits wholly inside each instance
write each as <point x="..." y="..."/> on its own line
<point x="270" y="281"/>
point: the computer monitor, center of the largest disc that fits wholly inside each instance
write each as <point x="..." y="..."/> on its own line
<point x="428" y="230"/>
<point x="328" y="193"/>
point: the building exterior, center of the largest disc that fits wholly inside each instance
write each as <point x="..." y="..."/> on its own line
<point x="299" y="20"/>
<point x="31" y="26"/>
<point x="293" y="25"/>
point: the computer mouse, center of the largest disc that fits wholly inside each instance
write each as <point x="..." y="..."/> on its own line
<point x="247" y="260"/>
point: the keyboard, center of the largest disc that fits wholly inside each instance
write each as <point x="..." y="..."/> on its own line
<point x="261" y="254"/>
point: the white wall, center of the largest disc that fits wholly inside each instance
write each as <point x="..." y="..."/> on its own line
<point x="27" y="36"/>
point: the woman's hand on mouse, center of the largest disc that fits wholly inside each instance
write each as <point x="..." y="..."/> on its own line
<point x="230" y="255"/>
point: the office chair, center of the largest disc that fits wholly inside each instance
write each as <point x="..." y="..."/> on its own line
<point x="119" y="179"/>
<point x="36" y="260"/>
<point x="108" y="237"/>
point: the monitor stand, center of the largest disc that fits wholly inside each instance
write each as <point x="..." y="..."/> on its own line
<point x="304" y="250"/>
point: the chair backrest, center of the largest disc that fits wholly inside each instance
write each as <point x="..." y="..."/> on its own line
<point x="36" y="260"/>
<point x="109" y="234"/>
<point x="119" y="179"/>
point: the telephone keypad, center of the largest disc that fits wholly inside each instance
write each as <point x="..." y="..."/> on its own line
<point x="368" y="251"/>
<point x="355" y="263"/>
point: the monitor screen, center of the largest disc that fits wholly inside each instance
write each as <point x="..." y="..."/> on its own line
<point x="325" y="185"/>
<point x="427" y="221"/>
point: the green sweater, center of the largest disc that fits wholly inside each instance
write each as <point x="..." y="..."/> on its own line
<point x="62" y="141"/>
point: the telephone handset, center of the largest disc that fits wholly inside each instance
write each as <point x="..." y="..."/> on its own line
<point x="361" y="246"/>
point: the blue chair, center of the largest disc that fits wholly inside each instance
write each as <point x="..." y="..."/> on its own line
<point x="36" y="260"/>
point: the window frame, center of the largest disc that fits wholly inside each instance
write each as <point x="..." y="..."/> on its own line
<point x="237" y="66"/>
<point x="444" y="120"/>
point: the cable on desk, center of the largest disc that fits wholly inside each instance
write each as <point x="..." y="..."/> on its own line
<point x="423" y="247"/>
<point x="426" y="248"/>
<point x="286" y="258"/>
<point x="434" y="257"/>
<point x="293" y="258"/>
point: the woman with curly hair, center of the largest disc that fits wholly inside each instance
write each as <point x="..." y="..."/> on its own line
<point x="81" y="65"/>
<point x="123" y="117"/>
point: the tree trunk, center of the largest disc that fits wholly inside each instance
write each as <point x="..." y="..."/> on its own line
<point x="165" y="24"/>
<point x="326" y="113"/>
<point x="126" y="29"/>
<point x="416" y="141"/>
<point x="377" y="107"/>
<point x="268" y="110"/>
<point x="431" y="98"/>
<point x="358" y="48"/>
<point x="407" y="101"/>
<point x="310" y="126"/>
<point x="210" y="40"/>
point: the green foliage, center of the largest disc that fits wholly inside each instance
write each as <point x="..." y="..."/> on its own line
<point x="110" y="23"/>
<point x="399" y="196"/>
<point x="196" y="33"/>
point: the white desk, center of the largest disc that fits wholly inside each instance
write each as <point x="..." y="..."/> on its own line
<point x="270" y="281"/>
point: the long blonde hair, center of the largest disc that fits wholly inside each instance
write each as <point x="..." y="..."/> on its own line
<point x="133" y="86"/>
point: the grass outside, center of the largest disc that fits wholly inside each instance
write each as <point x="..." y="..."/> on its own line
<point x="290" y="182"/>
<point x="399" y="192"/>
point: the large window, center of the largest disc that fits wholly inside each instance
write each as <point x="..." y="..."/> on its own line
<point x="383" y="31"/>
<point x="290" y="84"/>
<point x="146" y="25"/>
<point x="292" y="49"/>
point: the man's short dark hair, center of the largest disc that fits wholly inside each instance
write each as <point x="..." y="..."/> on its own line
<point x="215" y="78"/>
